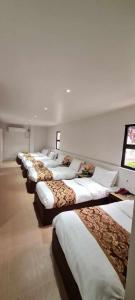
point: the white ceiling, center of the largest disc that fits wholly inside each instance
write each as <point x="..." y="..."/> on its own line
<point x="47" y="46"/>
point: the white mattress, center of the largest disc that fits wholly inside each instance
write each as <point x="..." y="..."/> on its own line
<point x="59" y="173"/>
<point x="92" y="271"/>
<point x="85" y="189"/>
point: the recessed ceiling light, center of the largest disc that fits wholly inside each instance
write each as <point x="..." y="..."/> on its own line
<point x="68" y="91"/>
<point x="45" y="108"/>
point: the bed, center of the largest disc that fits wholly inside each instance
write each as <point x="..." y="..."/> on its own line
<point x="21" y="155"/>
<point x="88" y="271"/>
<point x="58" y="173"/>
<point x="47" y="162"/>
<point x="83" y="192"/>
<point x="41" y="156"/>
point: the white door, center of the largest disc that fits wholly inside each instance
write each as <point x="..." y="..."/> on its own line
<point x="1" y="144"/>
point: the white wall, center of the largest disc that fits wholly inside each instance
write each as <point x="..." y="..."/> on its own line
<point x="99" y="137"/>
<point x="15" y="142"/>
<point x="38" y="138"/>
<point x="1" y="144"/>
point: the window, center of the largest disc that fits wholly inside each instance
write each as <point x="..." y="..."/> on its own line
<point x="58" y="140"/>
<point x="128" y="156"/>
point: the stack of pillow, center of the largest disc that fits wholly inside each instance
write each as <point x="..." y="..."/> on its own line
<point x="104" y="177"/>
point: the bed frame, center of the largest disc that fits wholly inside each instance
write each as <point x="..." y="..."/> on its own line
<point x="18" y="160"/>
<point x="30" y="186"/>
<point x="45" y="216"/>
<point x="24" y="172"/>
<point x="67" y="277"/>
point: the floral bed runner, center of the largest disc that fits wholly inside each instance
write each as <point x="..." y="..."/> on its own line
<point x="29" y="157"/>
<point x="63" y="195"/>
<point x="111" y="237"/>
<point x="43" y="173"/>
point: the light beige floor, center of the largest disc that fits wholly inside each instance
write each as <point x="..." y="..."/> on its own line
<point x="26" y="270"/>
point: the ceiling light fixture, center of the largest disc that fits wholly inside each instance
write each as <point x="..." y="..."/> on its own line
<point x="68" y="91"/>
<point x="45" y="108"/>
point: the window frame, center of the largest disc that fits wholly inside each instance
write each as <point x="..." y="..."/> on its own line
<point x="57" y="140"/>
<point x="126" y="146"/>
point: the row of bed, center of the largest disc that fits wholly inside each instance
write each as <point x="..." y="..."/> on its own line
<point x="90" y="234"/>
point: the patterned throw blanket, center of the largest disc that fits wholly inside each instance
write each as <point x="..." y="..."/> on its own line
<point x="29" y="157"/>
<point x="38" y="163"/>
<point x="63" y="195"/>
<point x="111" y="237"/>
<point x="43" y="173"/>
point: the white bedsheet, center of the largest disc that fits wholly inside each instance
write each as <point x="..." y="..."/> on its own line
<point x="21" y="154"/>
<point x="92" y="271"/>
<point x="59" y="173"/>
<point x="85" y="189"/>
<point x="28" y="164"/>
<point x="52" y="163"/>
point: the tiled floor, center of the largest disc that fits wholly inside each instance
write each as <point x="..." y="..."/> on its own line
<point x="26" y="270"/>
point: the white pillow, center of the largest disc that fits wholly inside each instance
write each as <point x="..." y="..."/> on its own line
<point x="52" y="155"/>
<point x="104" y="177"/>
<point x="126" y="207"/>
<point x="44" y="151"/>
<point x="75" y="164"/>
<point x="55" y="154"/>
<point x="60" y="158"/>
